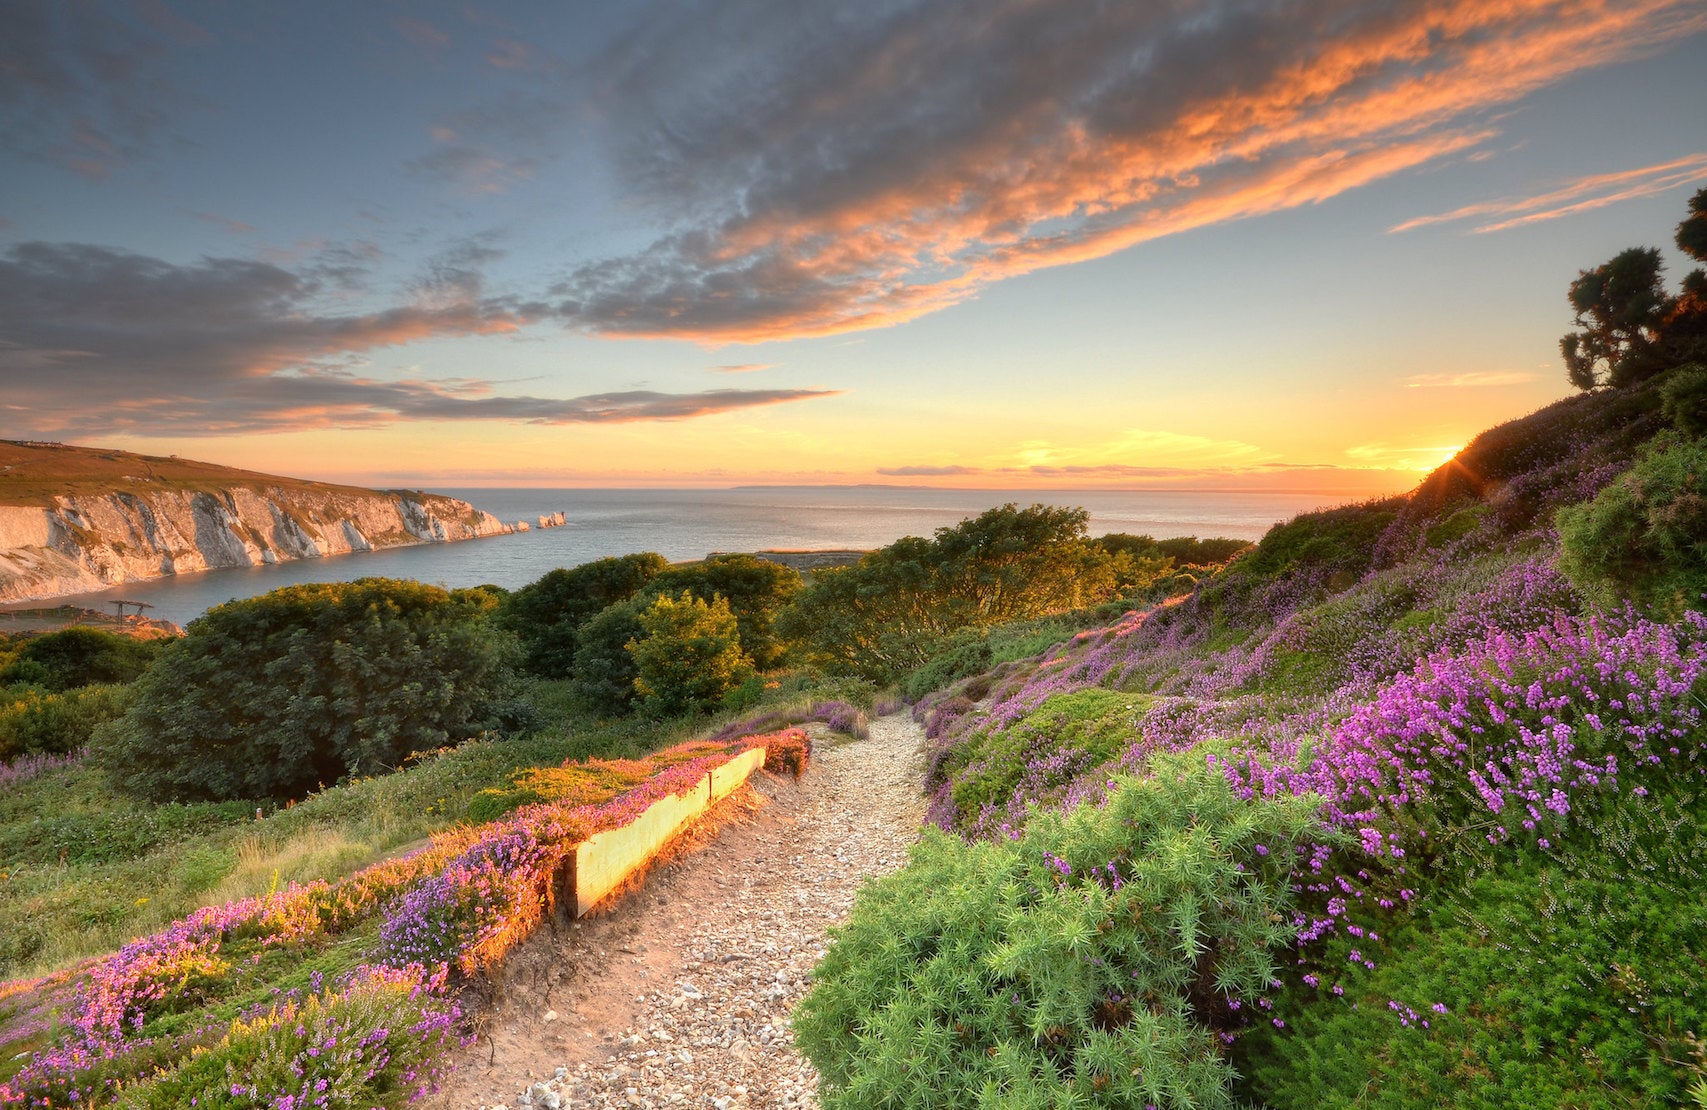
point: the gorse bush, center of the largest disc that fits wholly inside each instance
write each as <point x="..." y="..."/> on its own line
<point x="1096" y="961"/>
<point x="1645" y="535"/>
<point x="273" y="696"/>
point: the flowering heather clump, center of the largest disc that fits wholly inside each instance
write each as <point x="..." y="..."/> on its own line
<point x="842" y="717"/>
<point x="379" y="1041"/>
<point x="789" y="751"/>
<point x="34" y="764"/>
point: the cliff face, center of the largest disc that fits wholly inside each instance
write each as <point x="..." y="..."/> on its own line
<point x="89" y="541"/>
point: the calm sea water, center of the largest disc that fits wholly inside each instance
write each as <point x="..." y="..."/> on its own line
<point x="689" y="524"/>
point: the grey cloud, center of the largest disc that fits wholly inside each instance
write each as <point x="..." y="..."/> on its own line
<point x="83" y="88"/>
<point x="99" y="340"/>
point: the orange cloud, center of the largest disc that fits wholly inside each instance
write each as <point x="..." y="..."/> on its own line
<point x="1582" y="195"/>
<point x="1474" y="379"/>
<point x="1129" y="124"/>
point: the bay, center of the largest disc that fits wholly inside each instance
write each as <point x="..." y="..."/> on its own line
<point x="692" y="523"/>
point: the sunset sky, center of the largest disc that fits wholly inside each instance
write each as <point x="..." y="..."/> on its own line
<point x="1009" y="243"/>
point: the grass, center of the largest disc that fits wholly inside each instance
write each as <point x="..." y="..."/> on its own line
<point x="86" y="869"/>
<point x="83" y="869"/>
<point x="39" y="474"/>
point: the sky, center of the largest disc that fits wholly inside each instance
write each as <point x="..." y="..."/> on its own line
<point x="1056" y="244"/>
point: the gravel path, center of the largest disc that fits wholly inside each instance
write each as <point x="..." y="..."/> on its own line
<point x="680" y="995"/>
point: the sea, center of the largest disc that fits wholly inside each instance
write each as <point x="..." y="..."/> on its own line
<point x="685" y="524"/>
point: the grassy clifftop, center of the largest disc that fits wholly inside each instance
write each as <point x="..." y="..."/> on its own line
<point x="34" y="473"/>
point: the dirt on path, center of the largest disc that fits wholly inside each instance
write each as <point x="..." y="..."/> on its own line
<point x="678" y="994"/>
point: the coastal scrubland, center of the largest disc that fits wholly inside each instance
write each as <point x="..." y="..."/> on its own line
<point x="1402" y="806"/>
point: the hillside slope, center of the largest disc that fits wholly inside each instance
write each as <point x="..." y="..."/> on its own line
<point x="1502" y="903"/>
<point x="74" y="519"/>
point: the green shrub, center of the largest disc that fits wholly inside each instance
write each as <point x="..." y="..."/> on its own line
<point x="965" y="654"/>
<point x="1089" y="963"/>
<point x="1683" y="398"/>
<point x="604" y="669"/>
<point x="1065" y="736"/>
<point x="74" y="657"/>
<point x="689" y="656"/>
<point x="32" y="720"/>
<point x="1645" y="535"/>
<point x="269" y="697"/>
<point x="1332" y="541"/>
<point x="756" y="589"/>
<point x="547" y="615"/>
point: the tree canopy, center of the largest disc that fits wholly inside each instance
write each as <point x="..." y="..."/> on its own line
<point x="546" y="614"/>
<point x="271" y="696"/>
<point x="1628" y="327"/>
<point x="689" y="655"/>
<point x="879" y="617"/>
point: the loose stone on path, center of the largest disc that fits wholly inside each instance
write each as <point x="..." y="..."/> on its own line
<point x="699" y="968"/>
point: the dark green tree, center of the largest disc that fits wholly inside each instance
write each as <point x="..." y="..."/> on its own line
<point x="271" y="696"/>
<point x="689" y="655"/>
<point x="1683" y="331"/>
<point x="1619" y="306"/>
<point x="604" y="670"/>
<point x="545" y="615"/>
<point x="1692" y="232"/>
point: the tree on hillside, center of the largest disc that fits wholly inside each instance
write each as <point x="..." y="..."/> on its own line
<point x="271" y="696"/>
<point x="1629" y="328"/>
<point x="1618" y="306"/>
<point x="1683" y="331"/>
<point x="547" y="614"/>
<point x="1692" y="232"/>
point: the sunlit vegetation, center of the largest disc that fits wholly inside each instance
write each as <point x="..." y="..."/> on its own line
<point x="345" y="982"/>
<point x="1401" y="807"/>
<point x="1502" y="904"/>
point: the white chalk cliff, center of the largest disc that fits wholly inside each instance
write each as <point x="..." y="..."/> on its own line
<point x="90" y="542"/>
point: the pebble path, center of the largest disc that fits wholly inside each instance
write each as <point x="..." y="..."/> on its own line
<point x="712" y="1031"/>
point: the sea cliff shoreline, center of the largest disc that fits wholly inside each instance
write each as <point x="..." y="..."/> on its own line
<point x="94" y="542"/>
